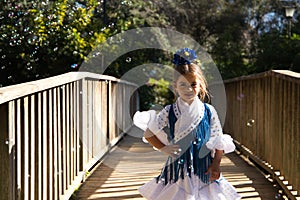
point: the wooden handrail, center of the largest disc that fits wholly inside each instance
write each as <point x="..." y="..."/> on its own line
<point x="263" y="116"/>
<point x="283" y="74"/>
<point x="53" y="130"/>
<point x="16" y="91"/>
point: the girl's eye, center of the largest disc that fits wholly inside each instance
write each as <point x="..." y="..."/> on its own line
<point x="183" y="85"/>
<point x="194" y="84"/>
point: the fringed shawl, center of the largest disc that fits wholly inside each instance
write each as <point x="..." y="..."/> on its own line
<point x="195" y="157"/>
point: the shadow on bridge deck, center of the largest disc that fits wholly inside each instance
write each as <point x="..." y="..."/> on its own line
<point x="132" y="163"/>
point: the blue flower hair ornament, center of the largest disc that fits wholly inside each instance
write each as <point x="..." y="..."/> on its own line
<point x="184" y="56"/>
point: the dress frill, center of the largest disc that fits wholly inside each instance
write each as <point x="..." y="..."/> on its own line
<point x="189" y="188"/>
<point x="223" y="142"/>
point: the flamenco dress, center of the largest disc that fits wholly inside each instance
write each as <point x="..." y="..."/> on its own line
<point x="197" y="130"/>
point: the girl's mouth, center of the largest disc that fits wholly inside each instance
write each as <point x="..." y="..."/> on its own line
<point x="189" y="95"/>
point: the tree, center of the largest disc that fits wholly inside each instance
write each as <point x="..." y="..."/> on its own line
<point x="45" y="38"/>
<point x="39" y="39"/>
<point x="229" y="41"/>
<point x="219" y="26"/>
<point x="271" y="48"/>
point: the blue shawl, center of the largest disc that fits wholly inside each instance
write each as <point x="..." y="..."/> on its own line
<point x="195" y="157"/>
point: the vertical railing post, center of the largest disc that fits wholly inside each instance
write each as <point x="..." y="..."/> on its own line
<point x="59" y="143"/>
<point x="83" y="123"/>
<point x="39" y="145"/>
<point x="18" y="149"/>
<point x="50" y="142"/>
<point x="5" y="168"/>
<point x="32" y="137"/>
<point x="109" y="111"/>
<point x="12" y="148"/>
<point x="45" y="144"/>
<point x="55" y="145"/>
<point x="72" y="93"/>
<point x="77" y="139"/>
<point x="26" y="149"/>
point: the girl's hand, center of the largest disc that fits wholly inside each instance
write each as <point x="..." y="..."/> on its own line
<point x="214" y="170"/>
<point x="171" y="150"/>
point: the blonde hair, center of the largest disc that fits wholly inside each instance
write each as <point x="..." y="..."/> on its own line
<point x="193" y="69"/>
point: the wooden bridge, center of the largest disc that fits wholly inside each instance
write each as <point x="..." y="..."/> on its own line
<point x="71" y="137"/>
<point x="132" y="163"/>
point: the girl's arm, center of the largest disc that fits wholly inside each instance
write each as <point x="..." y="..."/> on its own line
<point x="152" y="139"/>
<point x="214" y="168"/>
<point x="218" y="156"/>
<point x="171" y="150"/>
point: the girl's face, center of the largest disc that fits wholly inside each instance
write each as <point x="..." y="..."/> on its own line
<point x="187" y="87"/>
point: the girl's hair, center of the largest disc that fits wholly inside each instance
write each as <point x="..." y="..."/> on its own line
<point x="193" y="69"/>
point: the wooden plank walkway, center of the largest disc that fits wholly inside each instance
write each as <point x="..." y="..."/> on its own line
<point x="133" y="163"/>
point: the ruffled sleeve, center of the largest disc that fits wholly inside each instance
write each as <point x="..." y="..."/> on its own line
<point x="155" y="122"/>
<point x="218" y="140"/>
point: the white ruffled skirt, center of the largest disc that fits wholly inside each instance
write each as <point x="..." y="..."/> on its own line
<point x="189" y="188"/>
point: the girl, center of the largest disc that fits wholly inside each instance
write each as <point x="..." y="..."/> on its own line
<point x="190" y="132"/>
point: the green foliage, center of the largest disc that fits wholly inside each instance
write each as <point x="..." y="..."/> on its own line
<point x="228" y="48"/>
<point x="44" y="38"/>
<point x="129" y="14"/>
<point x="277" y="52"/>
<point x="271" y="48"/>
<point x="163" y="95"/>
<point x="219" y="26"/>
<point x="148" y="69"/>
<point x="233" y="32"/>
<point x="146" y="97"/>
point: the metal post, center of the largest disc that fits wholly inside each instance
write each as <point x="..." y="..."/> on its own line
<point x="289" y="27"/>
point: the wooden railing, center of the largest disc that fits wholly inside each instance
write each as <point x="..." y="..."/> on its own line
<point x="263" y="116"/>
<point x="52" y="131"/>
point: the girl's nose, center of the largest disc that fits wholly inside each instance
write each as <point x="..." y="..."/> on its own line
<point x="190" y="88"/>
